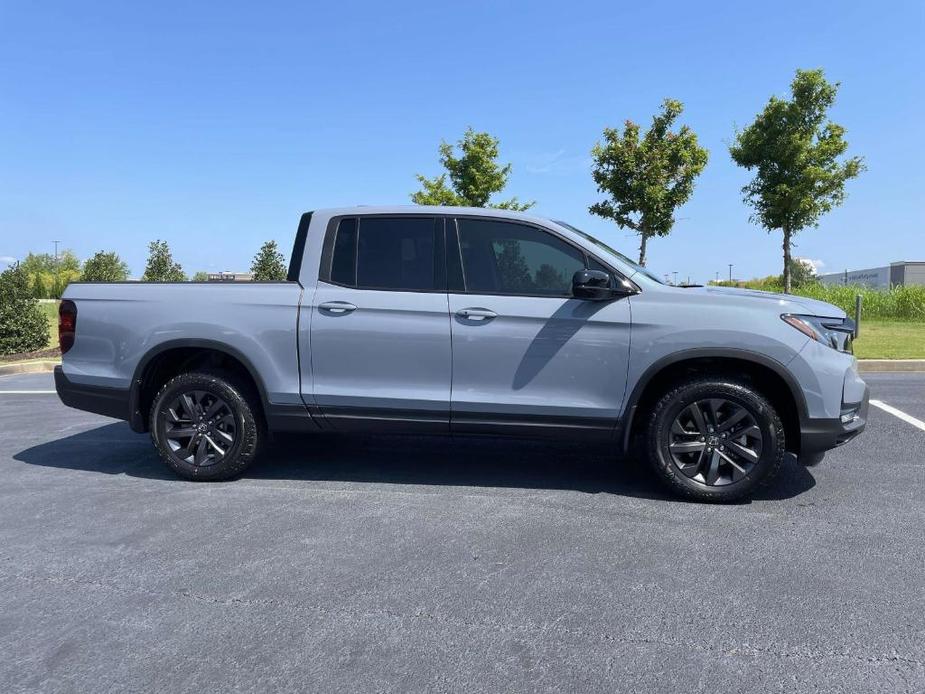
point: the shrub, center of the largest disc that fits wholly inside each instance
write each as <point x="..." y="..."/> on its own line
<point x="23" y="326"/>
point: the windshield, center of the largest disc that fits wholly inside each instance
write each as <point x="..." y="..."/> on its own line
<point x="600" y="244"/>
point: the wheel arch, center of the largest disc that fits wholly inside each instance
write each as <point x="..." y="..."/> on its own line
<point x="169" y="358"/>
<point x="770" y="376"/>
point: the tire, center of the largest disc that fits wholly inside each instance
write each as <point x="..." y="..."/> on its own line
<point x="735" y="446"/>
<point x="219" y="411"/>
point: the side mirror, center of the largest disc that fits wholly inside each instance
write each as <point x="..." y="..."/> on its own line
<point x="594" y="285"/>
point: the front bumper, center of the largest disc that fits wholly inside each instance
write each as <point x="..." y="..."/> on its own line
<point x="820" y="435"/>
<point x="111" y="402"/>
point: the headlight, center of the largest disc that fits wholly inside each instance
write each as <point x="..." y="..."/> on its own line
<point x="836" y="333"/>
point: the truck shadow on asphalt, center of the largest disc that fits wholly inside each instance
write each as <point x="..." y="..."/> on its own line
<point x="114" y="449"/>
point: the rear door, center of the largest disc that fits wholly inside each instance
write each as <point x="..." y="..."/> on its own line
<point x="380" y="333"/>
<point x="527" y="357"/>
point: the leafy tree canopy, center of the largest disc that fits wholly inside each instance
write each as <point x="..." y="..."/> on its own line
<point x="104" y="267"/>
<point x="802" y="273"/>
<point x="795" y="152"/>
<point x="201" y="276"/>
<point x="45" y="262"/>
<point x="646" y="177"/>
<point x="47" y="277"/>
<point x="161" y="266"/>
<point x="269" y="264"/>
<point x="474" y="176"/>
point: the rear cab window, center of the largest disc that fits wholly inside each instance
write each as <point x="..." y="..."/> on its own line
<point x="392" y="253"/>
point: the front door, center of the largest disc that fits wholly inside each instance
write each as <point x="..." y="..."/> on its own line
<point x="527" y="357"/>
<point x="380" y="333"/>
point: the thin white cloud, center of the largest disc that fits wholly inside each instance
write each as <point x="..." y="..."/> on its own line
<point x="558" y="162"/>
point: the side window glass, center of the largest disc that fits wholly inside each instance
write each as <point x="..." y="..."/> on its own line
<point x="509" y="258"/>
<point x="395" y="253"/>
<point x="596" y="265"/>
<point x="344" y="260"/>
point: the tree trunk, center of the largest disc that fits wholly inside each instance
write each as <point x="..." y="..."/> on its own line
<point x="786" y="260"/>
<point x="642" y="248"/>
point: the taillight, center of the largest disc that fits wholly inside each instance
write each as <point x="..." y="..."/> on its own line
<point x="67" y="324"/>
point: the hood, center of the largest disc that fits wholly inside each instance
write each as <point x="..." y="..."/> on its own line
<point x="812" y="307"/>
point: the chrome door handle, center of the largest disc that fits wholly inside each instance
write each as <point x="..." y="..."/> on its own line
<point x="337" y="307"/>
<point x="476" y="313"/>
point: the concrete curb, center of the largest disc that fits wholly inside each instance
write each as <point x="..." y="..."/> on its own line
<point x="28" y="367"/>
<point x="879" y="365"/>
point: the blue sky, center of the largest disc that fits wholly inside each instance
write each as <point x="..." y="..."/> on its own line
<point x="215" y="126"/>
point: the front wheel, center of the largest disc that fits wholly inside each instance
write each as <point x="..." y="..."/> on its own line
<point x="715" y="440"/>
<point x="204" y="426"/>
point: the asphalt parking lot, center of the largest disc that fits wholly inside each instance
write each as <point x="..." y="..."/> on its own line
<point x="387" y="564"/>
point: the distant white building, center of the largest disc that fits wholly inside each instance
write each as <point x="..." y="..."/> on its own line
<point x="900" y="274"/>
<point x="227" y="276"/>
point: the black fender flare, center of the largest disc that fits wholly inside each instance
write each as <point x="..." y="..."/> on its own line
<point x="136" y="419"/>
<point x="706" y="353"/>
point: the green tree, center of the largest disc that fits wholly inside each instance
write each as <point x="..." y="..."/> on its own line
<point x="56" y="274"/>
<point x="201" y="276"/>
<point x="105" y="267"/>
<point x="801" y="273"/>
<point x="39" y="290"/>
<point x="795" y="153"/>
<point x="269" y="264"/>
<point x="161" y="266"/>
<point x="23" y="326"/>
<point x="646" y="177"/>
<point x="474" y="176"/>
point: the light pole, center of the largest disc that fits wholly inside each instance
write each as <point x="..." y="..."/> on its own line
<point x="675" y="278"/>
<point x="730" y="272"/>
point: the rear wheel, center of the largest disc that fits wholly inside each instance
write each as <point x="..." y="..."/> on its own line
<point x="715" y="440"/>
<point x="204" y="426"/>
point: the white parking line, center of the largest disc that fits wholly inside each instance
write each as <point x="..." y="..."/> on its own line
<point x="899" y="413"/>
<point x="27" y="392"/>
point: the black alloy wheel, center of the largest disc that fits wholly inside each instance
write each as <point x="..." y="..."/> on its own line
<point x="715" y="442"/>
<point x="200" y="428"/>
<point x="715" y="439"/>
<point x="206" y="425"/>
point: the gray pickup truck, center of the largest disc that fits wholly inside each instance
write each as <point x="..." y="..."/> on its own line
<point x="446" y="320"/>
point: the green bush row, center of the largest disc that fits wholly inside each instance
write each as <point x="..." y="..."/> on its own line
<point x="899" y="303"/>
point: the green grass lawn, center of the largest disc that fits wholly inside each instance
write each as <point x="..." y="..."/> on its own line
<point x="890" y="340"/>
<point x="51" y="312"/>
<point x="879" y="339"/>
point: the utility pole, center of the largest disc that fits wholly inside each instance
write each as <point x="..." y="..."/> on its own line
<point x="54" y="290"/>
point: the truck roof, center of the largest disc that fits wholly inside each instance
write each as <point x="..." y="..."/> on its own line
<point x="430" y="209"/>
